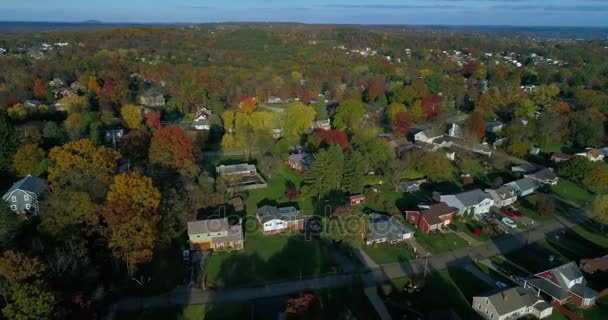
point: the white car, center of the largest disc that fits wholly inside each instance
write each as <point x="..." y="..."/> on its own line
<point x="509" y="223"/>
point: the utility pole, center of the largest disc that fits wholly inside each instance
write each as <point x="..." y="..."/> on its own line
<point x="426" y="263"/>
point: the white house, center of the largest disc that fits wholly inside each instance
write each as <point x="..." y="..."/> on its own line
<point x="502" y="196"/>
<point x="274" y="220"/>
<point x="522" y="187"/>
<point x="474" y="201"/>
<point x="513" y="303"/>
<point x="427" y="135"/>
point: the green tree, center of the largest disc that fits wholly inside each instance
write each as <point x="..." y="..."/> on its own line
<point x="349" y="114"/>
<point x="392" y="111"/>
<point x="436" y="166"/>
<point x="355" y="170"/>
<point x="8" y="141"/>
<point x="525" y="109"/>
<point x="64" y="213"/>
<point x="29" y="160"/>
<point x="298" y="119"/>
<point x="321" y="109"/>
<point x="600" y="208"/>
<point x="29" y="302"/>
<point x="325" y="173"/>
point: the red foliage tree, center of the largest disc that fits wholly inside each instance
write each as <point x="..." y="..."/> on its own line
<point x="334" y="136"/>
<point x="402" y="124"/>
<point x="375" y="88"/>
<point x="291" y="193"/>
<point x="431" y="106"/>
<point x="39" y="91"/>
<point x="173" y="147"/>
<point x="475" y="125"/>
<point x="11" y="101"/>
<point x="248" y="105"/>
<point x="301" y="306"/>
<point x="153" y="120"/>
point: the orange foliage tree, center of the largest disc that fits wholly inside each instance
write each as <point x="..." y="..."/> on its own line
<point x="171" y="146"/>
<point x="39" y="91"/>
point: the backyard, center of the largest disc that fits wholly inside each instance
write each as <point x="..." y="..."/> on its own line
<point x="570" y="191"/>
<point x="387" y="253"/>
<point x="440" y="242"/>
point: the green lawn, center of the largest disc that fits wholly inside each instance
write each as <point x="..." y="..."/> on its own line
<point x="387" y="253"/>
<point x="469" y="227"/>
<point x="190" y="312"/>
<point x="268" y="258"/>
<point x="593" y="234"/>
<point x="535" y="257"/>
<point x="441" y="242"/>
<point x="570" y="191"/>
<point x="447" y="289"/>
<point x="527" y="206"/>
<point x="598" y="312"/>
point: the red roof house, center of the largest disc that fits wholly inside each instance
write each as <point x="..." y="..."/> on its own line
<point x="431" y="218"/>
<point x="356" y="199"/>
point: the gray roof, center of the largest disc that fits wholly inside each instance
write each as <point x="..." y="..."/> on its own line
<point x="583" y="291"/>
<point x="235" y="233"/>
<point x="509" y="300"/>
<point x="303" y="159"/>
<point x="29" y="183"/>
<point x="471" y="198"/>
<point x="406" y="184"/>
<point x="382" y="226"/>
<point x="235" y="168"/>
<point x="549" y="288"/>
<point x="523" y="184"/>
<point x="501" y="193"/>
<point x="267" y="213"/>
<point x="527" y="167"/>
<point x="544" y="174"/>
<point x="208" y="226"/>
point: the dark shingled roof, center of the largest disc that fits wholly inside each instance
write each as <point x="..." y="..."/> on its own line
<point x="267" y="213"/>
<point x="432" y="213"/>
<point x="29" y="183"/>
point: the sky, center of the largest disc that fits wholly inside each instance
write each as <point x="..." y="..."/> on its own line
<point x="406" y="12"/>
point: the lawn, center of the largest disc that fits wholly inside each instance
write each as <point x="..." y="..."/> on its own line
<point x="269" y="258"/>
<point x="592" y="233"/>
<point x="444" y="290"/>
<point x="441" y="242"/>
<point x="387" y="253"/>
<point x="598" y="312"/>
<point x="469" y="227"/>
<point x="572" y="192"/>
<point x="535" y="257"/>
<point x="527" y="206"/>
<point x="190" y="312"/>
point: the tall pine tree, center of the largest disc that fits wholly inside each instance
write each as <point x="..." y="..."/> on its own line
<point x="354" y="173"/>
<point x="9" y="143"/>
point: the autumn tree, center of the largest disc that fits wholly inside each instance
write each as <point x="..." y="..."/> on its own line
<point x="39" y="90"/>
<point x="401" y="124"/>
<point x="130" y="215"/>
<point x="29" y="160"/>
<point x="248" y="105"/>
<point x="394" y="109"/>
<point x="600" y="208"/>
<point x="83" y="166"/>
<point x="93" y="86"/>
<point x="333" y="137"/>
<point x="131" y="115"/>
<point x="135" y="146"/>
<point x="15" y="266"/>
<point x="29" y="301"/>
<point x="171" y="146"/>
<point x="66" y="212"/>
<point x="475" y="125"/>
<point x="153" y="120"/>
<point x="435" y="166"/>
<point x="17" y="112"/>
<point x="298" y="119"/>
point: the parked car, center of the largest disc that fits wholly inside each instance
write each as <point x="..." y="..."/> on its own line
<point x="512" y="214"/>
<point x="454" y="227"/>
<point x="509" y="223"/>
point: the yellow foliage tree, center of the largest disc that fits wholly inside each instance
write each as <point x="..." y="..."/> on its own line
<point x="131" y="115"/>
<point x="93" y="85"/>
<point x="27" y="159"/>
<point x="14" y="266"/>
<point x="394" y="109"/>
<point x="79" y="160"/>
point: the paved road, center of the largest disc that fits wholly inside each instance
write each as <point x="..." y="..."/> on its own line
<point x="375" y="275"/>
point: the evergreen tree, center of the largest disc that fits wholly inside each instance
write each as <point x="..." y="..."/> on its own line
<point x="354" y="173"/>
<point x="321" y="109"/>
<point x="8" y="141"/>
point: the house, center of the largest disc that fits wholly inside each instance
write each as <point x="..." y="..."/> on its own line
<point x="525" y="168"/>
<point x="535" y="151"/>
<point x="114" y="135"/>
<point x="355" y="200"/>
<point x="386" y="229"/>
<point x="241" y="169"/>
<point x="400" y="146"/>
<point x="411" y="186"/>
<point x="236" y="203"/>
<point x="274" y="220"/>
<point x="522" y="187"/>
<point x="24" y="195"/>
<point x="455" y="131"/>
<point x="274" y="100"/>
<point x="502" y="196"/>
<point x="321" y="125"/>
<point x="494" y="126"/>
<point x="564" y="283"/>
<point x="474" y="201"/>
<point x="56" y="83"/>
<point x="544" y="176"/>
<point x="300" y="162"/>
<point x="431" y="218"/>
<point x="512" y="303"/>
<point x="64" y="92"/>
<point x="32" y="104"/>
<point x="592" y="154"/>
<point x="559" y="157"/>
<point x="152" y="99"/>
<point x="201" y="120"/>
<point x="427" y="135"/>
<point x="215" y="234"/>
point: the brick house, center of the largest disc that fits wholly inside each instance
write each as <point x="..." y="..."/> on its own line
<point x="275" y="220"/>
<point x="431" y="218"/>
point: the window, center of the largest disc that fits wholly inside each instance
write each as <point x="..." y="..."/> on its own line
<point x="14" y="207"/>
<point x="26" y="197"/>
<point x="491" y="316"/>
<point x="14" y="199"/>
<point x="479" y="306"/>
<point x="487" y="300"/>
<point x="27" y="206"/>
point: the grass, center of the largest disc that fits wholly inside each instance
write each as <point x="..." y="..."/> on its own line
<point x="598" y="312"/>
<point x="458" y="287"/>
<point x="441" y="242"/>
<point x="527" y="206"/>
<point x="269" y="258"/>
<point x="535" y="257"/>
<point x="469" y="227"/>
<point x="387" y="253"/>
<point x="572" y="192"/>
<point x="190" y="312"/>
<point x="593" y="234"/>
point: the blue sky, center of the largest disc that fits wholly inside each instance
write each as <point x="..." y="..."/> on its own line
<point x="417" y="12"/>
